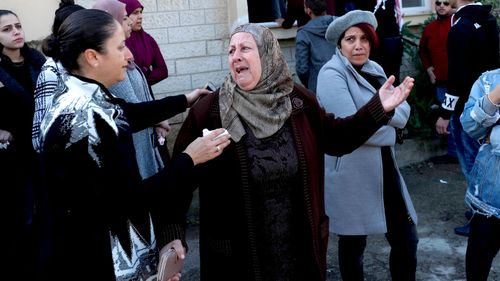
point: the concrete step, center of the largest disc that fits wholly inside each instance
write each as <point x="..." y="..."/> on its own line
<point x="418" y="150"/>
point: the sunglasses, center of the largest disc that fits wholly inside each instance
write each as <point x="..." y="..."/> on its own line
<point x="438" y="3"/>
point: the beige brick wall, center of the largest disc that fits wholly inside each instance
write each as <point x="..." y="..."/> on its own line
<point x="192" y="36"/>
<point x="36" y="16"/>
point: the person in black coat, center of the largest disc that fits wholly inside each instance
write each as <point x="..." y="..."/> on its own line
<point x="19" y="68"/>
<point x="19" y="169"/>
<point x="98" y="221"/>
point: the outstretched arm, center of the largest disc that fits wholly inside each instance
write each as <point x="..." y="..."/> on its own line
<point x="343" y="135"/>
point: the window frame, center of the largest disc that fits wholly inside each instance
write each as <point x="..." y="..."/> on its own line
<point x="413" y="11"/>
<point x="238" y="14"/>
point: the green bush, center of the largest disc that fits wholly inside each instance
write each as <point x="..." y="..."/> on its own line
<point x="496" y="8"/>
<point x="421" y="97"/>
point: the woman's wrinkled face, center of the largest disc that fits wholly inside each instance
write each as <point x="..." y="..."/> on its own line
<point x="355" y="46"/>
<point x="244" y="61"/>
<point x="136" y="18"/>
<point x="126" y="24"/>
<point x="11" y="32"/>
<point x="114" y="59"/>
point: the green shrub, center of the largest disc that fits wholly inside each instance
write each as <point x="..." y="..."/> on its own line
<point x="422" y="96"/>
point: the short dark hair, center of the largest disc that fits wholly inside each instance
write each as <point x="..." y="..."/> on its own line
<point x="73" y="37"/>
<point x="7" y="12"/>
<point x="318" y="7"/>
<point x="65" y="9"/>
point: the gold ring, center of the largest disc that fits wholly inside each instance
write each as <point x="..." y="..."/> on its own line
<point x="217" y="148"/>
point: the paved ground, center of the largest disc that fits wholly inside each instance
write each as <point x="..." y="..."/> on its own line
<point x="437" y="192"/>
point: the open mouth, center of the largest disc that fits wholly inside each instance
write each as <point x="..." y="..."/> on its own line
<point x="240" y="69"/>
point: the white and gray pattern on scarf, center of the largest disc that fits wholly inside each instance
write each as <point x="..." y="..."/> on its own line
<point x="266" y="107"/>
<point x="49" y="80"/>
<point x="82" y="102"/>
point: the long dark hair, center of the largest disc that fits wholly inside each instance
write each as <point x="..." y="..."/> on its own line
<point x="74" y="37"/>
<point x="66" y="8"/>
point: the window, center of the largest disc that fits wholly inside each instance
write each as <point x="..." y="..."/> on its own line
<point x="240" y="13"/>
<point x="416" y="7"/>
<point x="260" y="11"/>
<point x="243" y="11"/>
<point x="412" y="3"/>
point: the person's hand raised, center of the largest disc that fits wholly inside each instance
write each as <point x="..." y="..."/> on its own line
<point x="208" y="147"/>
<point x="195" y="95"/>
<point x="392" y="97"/>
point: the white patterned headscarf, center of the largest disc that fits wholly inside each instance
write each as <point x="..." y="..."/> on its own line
<point x="79" y="103"/>
<point x="266" y="107"/>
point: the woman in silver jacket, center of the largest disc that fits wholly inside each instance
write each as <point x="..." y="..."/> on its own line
<point x="364" y="191"/>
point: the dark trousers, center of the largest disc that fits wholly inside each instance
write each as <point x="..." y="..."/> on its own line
<point x="401" y="234"/>
<point x="482" y="247"/>
<point x="402" y="259"/>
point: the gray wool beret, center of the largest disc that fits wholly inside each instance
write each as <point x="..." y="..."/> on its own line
<point x="341" y="24"/>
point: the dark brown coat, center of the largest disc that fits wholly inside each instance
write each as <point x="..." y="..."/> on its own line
<point x="227" y="231"/>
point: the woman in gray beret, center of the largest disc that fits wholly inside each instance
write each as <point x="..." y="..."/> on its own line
<point x="364" y="190"/>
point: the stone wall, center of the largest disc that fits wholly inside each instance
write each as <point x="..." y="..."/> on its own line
<point x="192" y="35"/>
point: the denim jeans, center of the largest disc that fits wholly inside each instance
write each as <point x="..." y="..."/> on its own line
<point x="466" y="146"/>
<point x="482" y="247"/>
<point x="279" y="8"/>
<point x="440" y="94"/>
